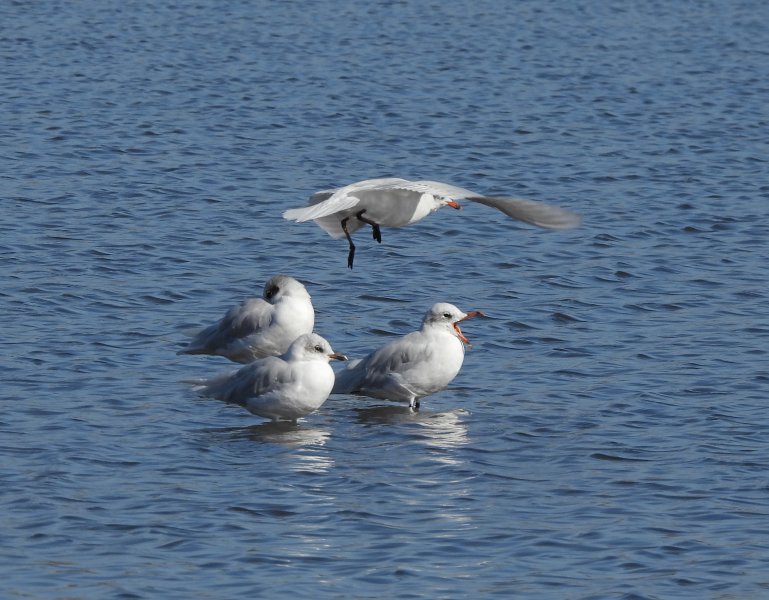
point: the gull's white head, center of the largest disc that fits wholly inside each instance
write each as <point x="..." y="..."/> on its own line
<point x="450" y="202"/>
<point x="430" y="203"/>
<point x="311" y="346"/>
<point x="282" y="286"/>
<point x="448" y="316"/>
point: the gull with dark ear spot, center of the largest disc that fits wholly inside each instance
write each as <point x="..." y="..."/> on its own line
<point x="259" y="327"/>
<point x="281" y="388"/>
<point x="394" y="202"/>
<point x="414" y="366"/>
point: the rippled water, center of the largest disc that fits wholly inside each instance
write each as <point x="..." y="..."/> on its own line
<point x="607" y="436"/>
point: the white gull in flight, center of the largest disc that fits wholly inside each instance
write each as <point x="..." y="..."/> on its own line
<point x="394" y="202"/>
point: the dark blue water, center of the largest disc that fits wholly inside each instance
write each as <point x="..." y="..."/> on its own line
<point x="607" y="435"/>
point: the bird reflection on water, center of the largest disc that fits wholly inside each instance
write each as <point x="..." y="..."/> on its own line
<point x="306" y="444"/>
<point x="436" y="429"/>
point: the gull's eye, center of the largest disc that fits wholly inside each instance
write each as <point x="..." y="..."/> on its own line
<point x="272" y="291"/>
<point x="446" y="315"/>
<point x="318" y="348"/>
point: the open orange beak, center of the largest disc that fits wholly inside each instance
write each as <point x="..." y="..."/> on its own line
<point x="454" y="204"/>
<point x="470" y="315"/>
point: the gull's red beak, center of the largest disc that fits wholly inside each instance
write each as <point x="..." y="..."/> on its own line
<point x="470" y="315"/>
<point x="337" y="356"/>
<point x="454" y="204"/>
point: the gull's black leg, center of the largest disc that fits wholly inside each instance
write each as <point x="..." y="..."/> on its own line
<point x="351" y="254"/>
<point x="374" y="226"/>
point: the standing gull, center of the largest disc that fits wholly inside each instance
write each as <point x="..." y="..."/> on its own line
<point x="393" y="202"/>
<point x="281" y="388"/>
<point x="414" y="366"/>
<point x="259" y="327"/>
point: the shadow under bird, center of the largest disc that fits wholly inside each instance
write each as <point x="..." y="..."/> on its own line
<point x="394" y="202"/>
<point x="418" y="364"/>
<point x="259" y="327"/>
<point x="281" y="388"/>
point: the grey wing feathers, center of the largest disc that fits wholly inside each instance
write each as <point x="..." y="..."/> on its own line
<point x="200" y="344"/>
<point x="240" y="321"/>
<point x="397" y="358"/>
<point x="250" y="316"/>
<point x="226" y="387"/>
<point x="349" y="379"/>
<point x="323" y="206"/>
<point x="436" y="188"/>
<point x="530" y="211"/>
<point x="329" y="202"/>
<point x="318" y="197"/>
<point x="380" y="367"/>
<point x="249" y="382"/>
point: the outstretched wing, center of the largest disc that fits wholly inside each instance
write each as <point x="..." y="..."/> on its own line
<point x="322" y="208"/>
<point x="530" y="211"/>
<point x="435" y="188"/>
<point x="329" y="202"/>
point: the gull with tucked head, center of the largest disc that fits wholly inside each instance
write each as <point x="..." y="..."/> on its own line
<point x="259" y="327"/>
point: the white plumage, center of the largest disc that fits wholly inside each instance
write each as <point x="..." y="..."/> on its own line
<point x="394" y="202"/>
<point x="259" y="327"/>
<point x="414" y="366"/>
<point x="281" y="388"/>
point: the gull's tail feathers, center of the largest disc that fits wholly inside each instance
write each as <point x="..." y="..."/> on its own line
<point x="349" y="379"/>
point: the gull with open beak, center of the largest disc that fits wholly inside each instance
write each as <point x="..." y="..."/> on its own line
<point x="418" y="364"/>
<point x="394" y="202"/>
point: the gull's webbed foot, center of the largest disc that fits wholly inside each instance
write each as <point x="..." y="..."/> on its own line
<point x="376" y="232"/>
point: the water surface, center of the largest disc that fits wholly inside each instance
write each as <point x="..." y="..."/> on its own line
<point x="606" y="437"/>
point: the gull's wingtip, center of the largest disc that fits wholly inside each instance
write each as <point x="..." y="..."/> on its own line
<point x="564" y="220"/>
<point x="533" y="212"/>
<point x="292" y="214"/>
